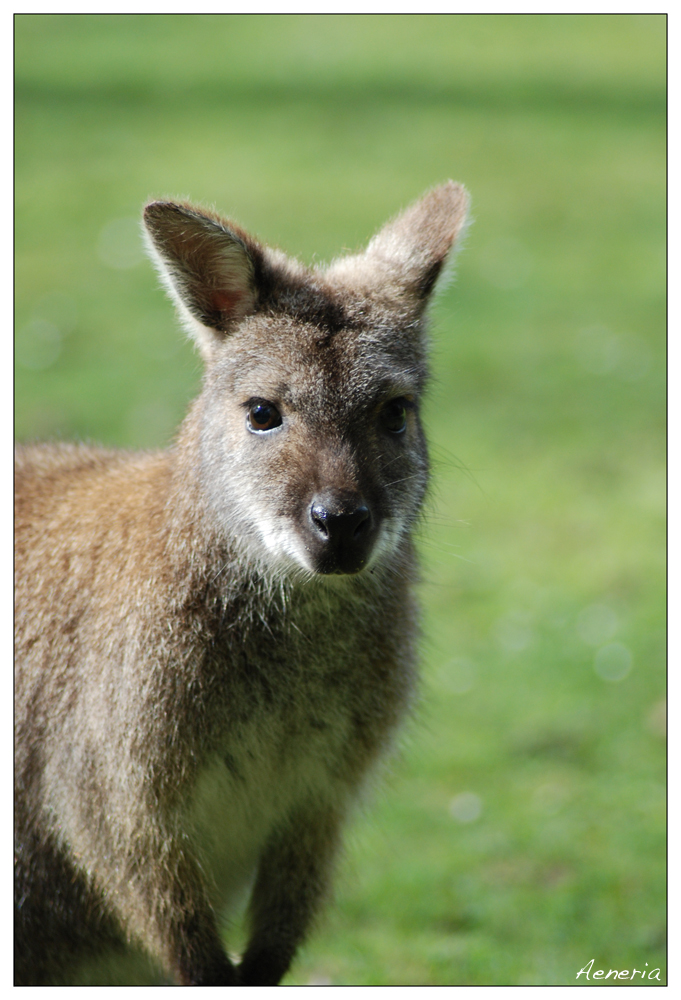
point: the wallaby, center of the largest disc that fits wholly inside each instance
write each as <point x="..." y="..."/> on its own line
<point x="216" y="642"/>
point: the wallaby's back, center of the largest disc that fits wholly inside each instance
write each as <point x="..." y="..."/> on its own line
<point x="216" y="642"/>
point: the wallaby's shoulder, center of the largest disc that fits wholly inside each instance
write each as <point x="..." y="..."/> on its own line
<point x="38" y="461"/>
<point x="46" y="473"/>
<point x="77" y="505"/>
<point x="66" y="457"/>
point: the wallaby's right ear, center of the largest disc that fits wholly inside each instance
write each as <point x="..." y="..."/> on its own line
<point x="207" y="265"/>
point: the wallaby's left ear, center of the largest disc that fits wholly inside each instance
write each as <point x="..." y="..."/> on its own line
<point x="207" y="264"/>
<point x="405" y="258"/>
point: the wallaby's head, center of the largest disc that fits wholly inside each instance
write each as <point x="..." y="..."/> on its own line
<point x="312" y="455"/>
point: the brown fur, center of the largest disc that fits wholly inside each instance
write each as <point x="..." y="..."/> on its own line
<point x="216" y="642"/>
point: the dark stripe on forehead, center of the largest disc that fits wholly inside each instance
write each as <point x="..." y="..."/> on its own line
<point x="314" y="308"/>
<point x="303" y="300"/>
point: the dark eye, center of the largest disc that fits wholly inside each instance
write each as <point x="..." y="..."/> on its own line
<point x="394" y="415"/>
<point x="262" y="416"/>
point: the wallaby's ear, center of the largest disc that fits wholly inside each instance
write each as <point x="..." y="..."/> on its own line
<point x="415" y="244"/>
<point x="405" y="258"/>
<point x="207" y="265"/>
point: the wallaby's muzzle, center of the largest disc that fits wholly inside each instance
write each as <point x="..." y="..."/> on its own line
<point x="342" y="532"/>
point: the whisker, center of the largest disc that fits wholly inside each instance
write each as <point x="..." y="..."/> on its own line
<point x="395" y="481"/>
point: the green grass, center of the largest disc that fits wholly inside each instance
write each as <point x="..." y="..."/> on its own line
<point x="545" y="541"/>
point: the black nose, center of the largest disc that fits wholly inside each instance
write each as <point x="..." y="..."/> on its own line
<point x="344" y="533"/>
<point x="341" y="526"/>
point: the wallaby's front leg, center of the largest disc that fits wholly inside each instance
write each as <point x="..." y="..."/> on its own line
<point x="170" y="913"/>
<point x="293" y="876"/>
<point x="200" y="958"/>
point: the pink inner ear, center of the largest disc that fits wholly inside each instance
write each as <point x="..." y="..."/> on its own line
<point x="226" y="302"/>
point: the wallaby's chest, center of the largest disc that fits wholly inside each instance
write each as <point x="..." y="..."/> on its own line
<point x="286" y="759"/>
<point x="321" y="697"/>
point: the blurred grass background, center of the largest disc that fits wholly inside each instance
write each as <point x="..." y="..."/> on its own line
<point x="522" y="831"/>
